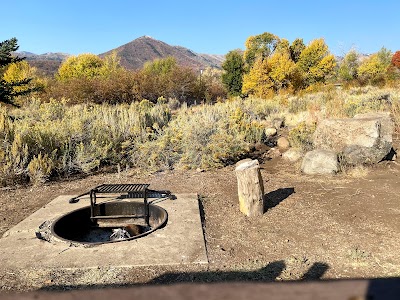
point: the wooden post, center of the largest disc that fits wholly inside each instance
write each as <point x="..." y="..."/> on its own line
<point x="250" y="188"/>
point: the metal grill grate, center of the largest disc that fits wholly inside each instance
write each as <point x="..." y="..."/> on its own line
<point x="136" y="190"/>
<point x="121" y="188"/>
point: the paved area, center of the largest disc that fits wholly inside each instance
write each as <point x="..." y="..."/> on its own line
<point x="181" y="241"/>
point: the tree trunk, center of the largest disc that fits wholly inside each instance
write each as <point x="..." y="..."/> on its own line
<point x="250" y="188"/>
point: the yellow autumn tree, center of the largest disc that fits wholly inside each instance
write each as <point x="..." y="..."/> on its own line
<point x="112" y="64"/>
<point x="270" y="75"/>
<point x="88" y="66"/>
<point x="283" y="70"/>
<point x="283" y="46"/>
<point x="19" y="71"/>
<point x="257" y="81"/>
<point x="85" y="65"/>
<point x="373" y="70"/>
<point x="316" y="63"/>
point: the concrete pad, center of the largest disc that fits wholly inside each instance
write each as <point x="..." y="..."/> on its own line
<point x="181" y="241"/>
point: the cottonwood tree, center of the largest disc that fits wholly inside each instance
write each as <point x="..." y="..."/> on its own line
<point x="259" y="47"/>
<point x="81" y="66"/>
<point x="164" y="78"/>
<point x="270" y="75"/>
<point x="316" y="63"/>
<point x="257" y="81"/>
<point x="88" y="66"/>
<point x="283" y="71"/>
<point x="296" y="48"/>
<point x="9" y="90"/>
<point x="373" y="70"/>
<point x="348" y="69"/>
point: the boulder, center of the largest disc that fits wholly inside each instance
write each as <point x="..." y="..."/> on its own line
<point x="364" y="139"/>
<point x="320" y="161"/>
<point x="292" y="155"/>
<point x="283" y="143"/>
<point x="261" y="147"/>
<point x="273" y="153"/>
<point x="271" y="131"/>
<point x="387" y="126"/>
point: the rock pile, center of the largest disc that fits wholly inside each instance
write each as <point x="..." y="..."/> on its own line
<point x="364" y="139"/>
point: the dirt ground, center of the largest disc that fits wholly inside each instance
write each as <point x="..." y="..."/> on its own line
<point x="314" y="227"/>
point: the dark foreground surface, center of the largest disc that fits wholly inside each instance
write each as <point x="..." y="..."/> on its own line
<point x="374" y="289"/>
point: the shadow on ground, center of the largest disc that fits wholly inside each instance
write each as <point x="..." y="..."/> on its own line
<point x="269" y="273"/>
<point x="253" y="284"/>
<point x="266" y="274"/>
<point x="273" y="198"/>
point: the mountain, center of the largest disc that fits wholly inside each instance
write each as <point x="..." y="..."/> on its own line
<point x="47" y="64"/>
<point x="133" y="56"/>
<point x="136" y="53"/>
<point x="46" y="56"/>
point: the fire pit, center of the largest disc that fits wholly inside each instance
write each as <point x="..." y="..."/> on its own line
<point x="180" y="241"/>
<point x="123" y="219"/>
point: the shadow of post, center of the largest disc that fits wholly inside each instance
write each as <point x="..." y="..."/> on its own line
<point x="273" y="198"/>
<point x="269" y="273"/>
<point x="316" y="271"/>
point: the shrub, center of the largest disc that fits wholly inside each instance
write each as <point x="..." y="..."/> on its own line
<point x="377" y="100"/>
<point x="14" y="158"/>
<point x="43" y="140"/>
<point x="48" y="139"/>
<point x="40" y="168"/>
<point x="121" y="86"/>
<point x="301" y="136"/>
<point x="207" y="137"/>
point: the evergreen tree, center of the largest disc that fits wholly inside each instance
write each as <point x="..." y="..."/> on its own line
<point x="233" y="75"/>
<point x="10" y="90"/>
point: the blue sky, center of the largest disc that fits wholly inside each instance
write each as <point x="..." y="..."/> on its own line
<point x="213" y="27"/>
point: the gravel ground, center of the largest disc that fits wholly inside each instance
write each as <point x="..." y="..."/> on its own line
<point x="314" y="227"/>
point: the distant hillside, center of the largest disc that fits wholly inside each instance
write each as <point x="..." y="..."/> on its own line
<point x="47" y="63"/>
<point x="45" y="67"/>
<point x="135" y="54"/>
<point x="46" y="56"/>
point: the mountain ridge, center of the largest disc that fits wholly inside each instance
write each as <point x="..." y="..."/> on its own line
<point x="137" y="52"/>
<point x="59" y="56"/>
<point x="133" y="55"/>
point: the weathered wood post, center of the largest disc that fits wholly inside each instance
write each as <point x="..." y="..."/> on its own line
<point x="250" y="188"/>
